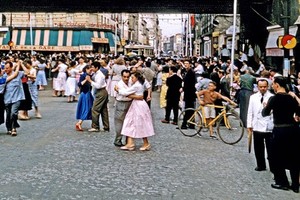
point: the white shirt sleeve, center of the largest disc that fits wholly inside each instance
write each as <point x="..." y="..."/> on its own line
<point x="99" y="81"/>
<point x="250" y="113"/>
<point x="128" y="91"/>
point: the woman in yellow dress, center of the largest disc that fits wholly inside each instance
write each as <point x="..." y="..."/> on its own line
<point x="164" y="87"/>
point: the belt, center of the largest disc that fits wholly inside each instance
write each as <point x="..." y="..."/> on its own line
<point x="124" y="101"/>
<point x="284" y="125"/>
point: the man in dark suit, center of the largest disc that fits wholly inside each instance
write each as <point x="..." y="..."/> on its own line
<point x="189" y="90"/>
<point x="174" y="84"/>
<point x="224" y="84"/>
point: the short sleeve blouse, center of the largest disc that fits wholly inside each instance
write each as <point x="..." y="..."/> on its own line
<point x="14" y="90"/>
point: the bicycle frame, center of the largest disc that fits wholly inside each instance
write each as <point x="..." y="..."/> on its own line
<point x="218" y="117"/>
<point x="230" y="133"/>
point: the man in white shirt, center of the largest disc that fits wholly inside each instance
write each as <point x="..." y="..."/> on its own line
<point x="259" y="125"/>
<point x="225" y="53"/>
<point x="243" y="56"/>
<point x="100" y="99"/>
<point x="122" y="105"/>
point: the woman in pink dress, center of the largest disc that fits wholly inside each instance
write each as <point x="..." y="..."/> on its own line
<point x="138" y="120"/>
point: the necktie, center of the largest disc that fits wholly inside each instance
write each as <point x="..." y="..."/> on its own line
<point x="262" y="98"/>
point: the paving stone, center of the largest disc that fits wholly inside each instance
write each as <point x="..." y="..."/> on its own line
<point x="50" y="160"/>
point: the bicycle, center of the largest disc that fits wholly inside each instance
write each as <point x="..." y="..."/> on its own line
<point x="231" y="132"/>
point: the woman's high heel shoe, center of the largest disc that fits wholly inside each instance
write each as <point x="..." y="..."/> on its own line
<point x="131" y="148"/>
<point x="78" y="127"/>
<point x="13" y="132"/>
<point x="146" y="148"/>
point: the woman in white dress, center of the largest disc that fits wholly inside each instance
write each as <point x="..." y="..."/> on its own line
<point x="59" y="83"/>
<point x="138" y="120"/>
<point x="70" y="90"/>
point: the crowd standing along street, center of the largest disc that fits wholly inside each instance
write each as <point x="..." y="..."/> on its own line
<point x="53" y="155"/>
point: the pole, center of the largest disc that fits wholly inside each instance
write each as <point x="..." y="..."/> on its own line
<point x="182" y="32"/>
<point x="186" y="36"/>
<point x="190" y="35"/>
<point x="31" y="38"/>
<point x="116" y="29"/>
<point x="233" y="44"/>
<point x="286" y="52"/>
<point x="10" y="32"/>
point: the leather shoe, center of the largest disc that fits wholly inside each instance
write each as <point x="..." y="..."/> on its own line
<point x="165" y="121"/>
<point x="259" y="169"/>
<point x="182" y="127"/>
<point x="295" y="189"/>
<point x="279" y="187"/>
<point x="93" y="130"/>
<point x="174" y="123"/>
<point x="118" y="144"/>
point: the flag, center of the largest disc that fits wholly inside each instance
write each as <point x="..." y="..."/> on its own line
<point x="193" y="20"/>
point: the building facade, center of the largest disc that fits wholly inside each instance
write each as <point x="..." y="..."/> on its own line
<point x="62" y="31"/>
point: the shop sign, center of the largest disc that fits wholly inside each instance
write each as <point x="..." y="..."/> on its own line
<point x="206" y="38"/>
<point x="39" y="48"/>
<point x="85" y="47"/>
<point x="286" y="41"/>
<point x="216" y="34"/>
<point x="100" y="40"/>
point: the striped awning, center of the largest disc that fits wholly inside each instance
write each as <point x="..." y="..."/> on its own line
<point x="56" y="40"/>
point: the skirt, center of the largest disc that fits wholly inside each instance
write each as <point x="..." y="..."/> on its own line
<point x="84" y="106"/>
<point x="59" y="83"/>
<point x="112" y="92"/>
<point x="70" y="89"/>
<point x="34" y="93"/>
<point x="26" y="104"/>
<point x="138" y="121"/>
<point x="41" y="78"/>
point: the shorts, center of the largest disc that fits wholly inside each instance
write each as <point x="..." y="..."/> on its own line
<point x="210" y="112"/>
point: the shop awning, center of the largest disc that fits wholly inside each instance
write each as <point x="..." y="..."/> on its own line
<point x="271" y="46"/>
<point x="56" y="40"/>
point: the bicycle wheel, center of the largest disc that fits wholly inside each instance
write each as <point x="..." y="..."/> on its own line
<point x="234" y="132"/>
<point x="193" y="124"/>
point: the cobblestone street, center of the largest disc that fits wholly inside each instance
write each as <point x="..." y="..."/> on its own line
<point x="50" y="160"/>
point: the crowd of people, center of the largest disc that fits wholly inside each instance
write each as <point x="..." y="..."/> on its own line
<point x="268" y="102"/>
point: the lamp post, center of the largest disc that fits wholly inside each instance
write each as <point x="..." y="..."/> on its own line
<point x="286" y="52"/>
<point x="10" y="43"/>
<point x="233" y="43"/>
<point x="116" y="35"/>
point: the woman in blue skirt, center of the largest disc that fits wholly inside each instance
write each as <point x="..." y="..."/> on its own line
<point x="85" y="101"/>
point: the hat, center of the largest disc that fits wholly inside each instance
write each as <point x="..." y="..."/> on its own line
<point x="277" y="75"/>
